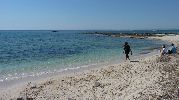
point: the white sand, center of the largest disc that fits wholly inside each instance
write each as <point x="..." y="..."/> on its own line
<point x="150" y="78"/>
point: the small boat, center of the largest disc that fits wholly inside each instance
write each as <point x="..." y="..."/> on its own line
<point x="54" y="31"/>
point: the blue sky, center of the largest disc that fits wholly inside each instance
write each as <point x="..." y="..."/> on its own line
<point x="88" y="14"/>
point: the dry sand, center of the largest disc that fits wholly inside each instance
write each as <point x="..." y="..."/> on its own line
<point x="151" y="78"/>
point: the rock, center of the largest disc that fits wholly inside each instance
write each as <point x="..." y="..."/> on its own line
<point x="33" y="86"/>
<point x="96" y="84"/>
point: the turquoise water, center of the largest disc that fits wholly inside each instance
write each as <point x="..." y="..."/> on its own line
<point x="32" y="53"/>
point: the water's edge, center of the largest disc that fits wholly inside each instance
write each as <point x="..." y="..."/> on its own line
<point x="71" y="71"/>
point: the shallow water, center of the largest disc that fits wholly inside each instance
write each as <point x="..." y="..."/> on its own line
<point x="32" y="53"/>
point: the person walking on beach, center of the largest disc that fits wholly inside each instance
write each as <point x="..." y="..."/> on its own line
<point x="127" y="50"/>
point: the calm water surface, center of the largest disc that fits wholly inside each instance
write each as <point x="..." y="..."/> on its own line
<point x="31" y="53"/>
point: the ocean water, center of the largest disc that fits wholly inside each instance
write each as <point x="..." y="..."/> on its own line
<point x="33" y="53"/>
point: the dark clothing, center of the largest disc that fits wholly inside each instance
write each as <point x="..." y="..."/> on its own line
<point x="127" y="49"/>
<point x="127" y="55"/>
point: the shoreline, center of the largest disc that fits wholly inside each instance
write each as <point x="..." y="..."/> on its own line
<point x="56" y="78"/>
<point x="20" y="84"/>
<point x="70" y="71"/>
<point x="67" y="71"/>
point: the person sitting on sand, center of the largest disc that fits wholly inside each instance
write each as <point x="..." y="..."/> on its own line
<point x="173" y="50"/>
<point x="127" y="50"/>
<point x="164" y="50"/>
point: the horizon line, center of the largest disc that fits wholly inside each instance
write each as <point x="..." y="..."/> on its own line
<point x="83" y="29"/>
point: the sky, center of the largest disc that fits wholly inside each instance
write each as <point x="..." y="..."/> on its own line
<point x="88" y="14"/>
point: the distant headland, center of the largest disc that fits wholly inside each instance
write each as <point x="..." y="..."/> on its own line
<point x="140" y="35"/>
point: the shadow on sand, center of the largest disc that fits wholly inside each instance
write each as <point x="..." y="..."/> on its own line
<point x="134" y="61"/>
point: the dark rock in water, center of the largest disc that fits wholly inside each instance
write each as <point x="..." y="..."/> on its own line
<point x="141" y="38"/>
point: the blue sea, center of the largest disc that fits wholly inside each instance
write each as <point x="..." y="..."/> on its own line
<point x="34" y="53"/>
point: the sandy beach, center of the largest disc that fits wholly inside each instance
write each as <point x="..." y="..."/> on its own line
<point x="149" y="78"/>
